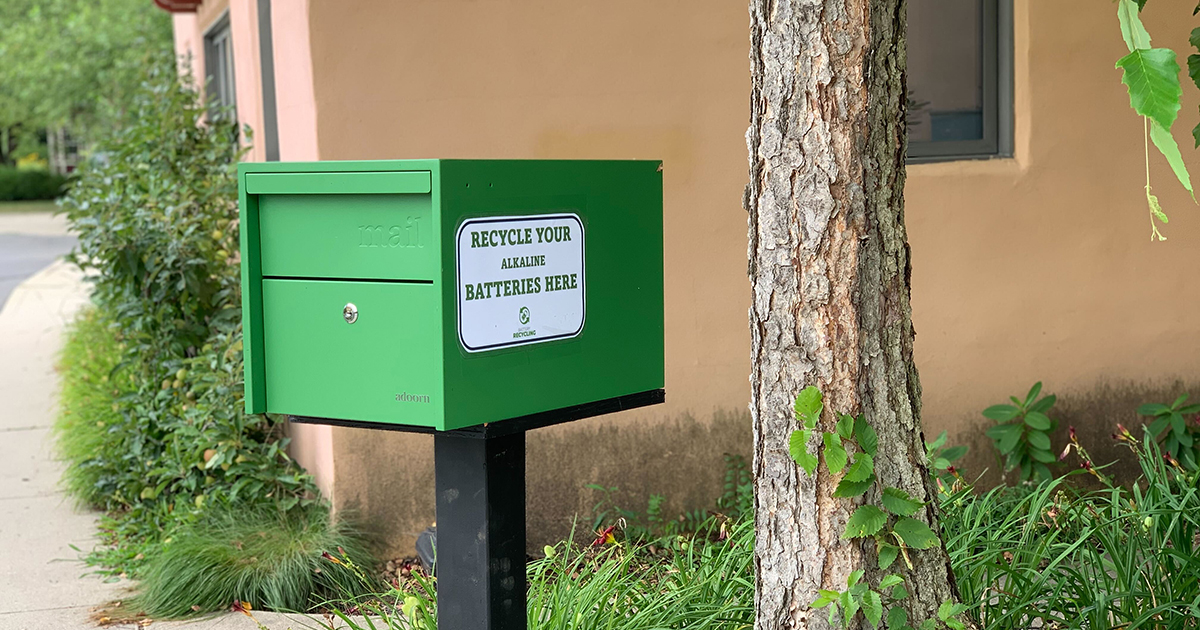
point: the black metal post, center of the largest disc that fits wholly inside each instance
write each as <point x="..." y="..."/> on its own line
<point x="480" y="531"/>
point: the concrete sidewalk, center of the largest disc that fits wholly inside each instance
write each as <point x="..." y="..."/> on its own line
<point x="42" y="582"/>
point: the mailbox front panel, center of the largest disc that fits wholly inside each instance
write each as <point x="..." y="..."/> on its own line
<point x="368" y="236"/>
<point x="380" y="364"/>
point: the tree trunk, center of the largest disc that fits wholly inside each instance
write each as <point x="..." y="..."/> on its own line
<point x="829" y="268"/>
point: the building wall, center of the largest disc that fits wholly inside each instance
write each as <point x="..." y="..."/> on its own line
<point x="1027" y="268"/>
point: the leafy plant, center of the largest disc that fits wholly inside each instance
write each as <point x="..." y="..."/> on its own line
<point x="1022" y="435"/>
<point x="849" y="451"/>
<point x="941" y="458"/>
<point x="1179" y="438"/>
<point x="1152" y="77"/>
<point x="737" y="496"/>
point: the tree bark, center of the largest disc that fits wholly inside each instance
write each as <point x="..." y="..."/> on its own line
<point x="829" y="268"/>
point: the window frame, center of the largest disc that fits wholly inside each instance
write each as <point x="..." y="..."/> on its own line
<point x="218" y="38"/>
<point x="997" y="62"/>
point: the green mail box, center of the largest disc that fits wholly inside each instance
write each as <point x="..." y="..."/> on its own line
<point x="445" y="294"/>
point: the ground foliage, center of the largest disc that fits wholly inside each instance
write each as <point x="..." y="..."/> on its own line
<point x="167" y="437"/>
<point x="1046" y="554"/>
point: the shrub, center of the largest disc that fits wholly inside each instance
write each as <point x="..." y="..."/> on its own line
<point x="1022" y="434"/>
<point x="18" y="184"/>
<point x="262" y="557"/>
<point x="157" y="226"/>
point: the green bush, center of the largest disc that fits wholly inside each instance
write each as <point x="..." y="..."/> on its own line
<point x="157" y="226"/>
<point x="18" y="184"/>
<point x="261" y="557"/>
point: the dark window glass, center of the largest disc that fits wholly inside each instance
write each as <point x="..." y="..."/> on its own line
<point x="959" y="93"/>
<point x="218" y="69"/>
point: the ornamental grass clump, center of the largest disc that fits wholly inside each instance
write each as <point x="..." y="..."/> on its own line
<point x="266" y="559"/>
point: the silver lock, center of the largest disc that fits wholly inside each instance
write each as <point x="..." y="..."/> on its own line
<point x="350" y="313"/>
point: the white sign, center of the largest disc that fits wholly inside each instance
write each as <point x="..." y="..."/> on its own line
<point x="520" y="280"/>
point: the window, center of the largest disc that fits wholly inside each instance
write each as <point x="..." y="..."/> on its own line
<point x="218" y="69"/>
<point x="959" y="79"/>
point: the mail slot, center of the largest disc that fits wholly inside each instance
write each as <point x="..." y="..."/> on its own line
<point x="447" y="294"/>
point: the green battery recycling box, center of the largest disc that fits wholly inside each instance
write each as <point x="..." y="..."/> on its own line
<point x="445" y="294"/>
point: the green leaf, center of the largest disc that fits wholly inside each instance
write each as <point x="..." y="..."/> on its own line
<point x="1039" y="421"/>
<point x="1193" y="62"/>
<point x="936" y="444"/>
<point x="850" y="489"/>
<point x="872" y="607"/>
<point x="1006" y="436"/>
<point x="1044" y="404"/>
<point x="1043" y="472"/>
<point x="1179" y="401"/>
<point x="1046" y="457"/>
<point x="862" y="468"/>
<point x="916" y="534"/>
<point x="867" y="520"/>
<point x="850" y="605"/>
<point x="1165" y="142"/>
<point x="1033" y="392"/>
<point x="898" y="502"/>
<point x="897" y="617"/>
<point x="854" y="577"/>
<point x="798" y="448"/>
<point x="954" y="453"/>
<point x="835" y="453"/>
<point x="948" y="612"/>
<point x="1152" y="409"/>
<point x="899" y="592"/>
<point x="845" y="426"/>
<point x="865" y="435"/>
<point x="1132" y="30"/>
<point x="889" y="581"/>
<point x="1196" y="135"/>
<point x="1158" y="425"/>
<point x="1152" y="77"/>
<point x="887" y="555"/>
<point x="808" y="406"/>
<point x="1177" y="424"/>
<point x="1001" y="413"/>
<point x="825" y="598"/>
<point x="1037" y="439"/>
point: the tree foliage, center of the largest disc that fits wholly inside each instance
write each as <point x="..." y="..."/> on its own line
<point x="75" y="63"/>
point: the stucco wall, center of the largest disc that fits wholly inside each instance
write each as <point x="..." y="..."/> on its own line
<point x="1034" y="267"/>
<point x="625" y="79"/>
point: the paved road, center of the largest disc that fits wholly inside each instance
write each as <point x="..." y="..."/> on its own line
<point x="22" y="255"/>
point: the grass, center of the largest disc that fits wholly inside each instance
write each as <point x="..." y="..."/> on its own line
<point x="1049" y="555"/>
<point x="255" y="556"/>
<point x="47" y="205"/>
<point x="703" y="582"/>
<point x="88" y="409"/>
